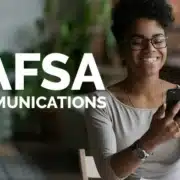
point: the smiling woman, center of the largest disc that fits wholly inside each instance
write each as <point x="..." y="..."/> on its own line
<point x="134" y="136"/>
<point x="148" y="45"/>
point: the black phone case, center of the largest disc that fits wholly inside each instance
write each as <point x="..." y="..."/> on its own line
<point x="172" y="98"/>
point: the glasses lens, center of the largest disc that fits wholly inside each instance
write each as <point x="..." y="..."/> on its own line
<point x="137" y="43"/>
<point x="159" y="42"/>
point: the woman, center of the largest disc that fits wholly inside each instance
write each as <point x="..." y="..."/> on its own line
<point x="133" y="137"/>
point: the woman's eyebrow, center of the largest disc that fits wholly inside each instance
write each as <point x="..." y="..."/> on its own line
<point x="159" y="34"/>
<point x="138" y="35"/>
<point x="142" y="36"/>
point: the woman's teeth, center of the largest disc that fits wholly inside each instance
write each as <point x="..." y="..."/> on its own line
<point x="150" y="60"/>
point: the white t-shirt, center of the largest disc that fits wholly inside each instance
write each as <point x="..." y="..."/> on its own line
<point x="116" y="127"/>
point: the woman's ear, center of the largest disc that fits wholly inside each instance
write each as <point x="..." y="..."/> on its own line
<point x="121" y="52"/>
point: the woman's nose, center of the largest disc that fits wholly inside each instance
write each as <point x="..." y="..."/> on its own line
<point x="149" y="47"/>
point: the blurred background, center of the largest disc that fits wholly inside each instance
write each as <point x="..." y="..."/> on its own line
<point x="71" y="28"/>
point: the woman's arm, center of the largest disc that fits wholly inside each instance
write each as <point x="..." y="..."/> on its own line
<point x="126" y="162"/>
<point x="102" y="141"/>
<point x="112" y="165"/>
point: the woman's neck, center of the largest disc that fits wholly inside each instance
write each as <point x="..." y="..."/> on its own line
<point x="143" y="85"/>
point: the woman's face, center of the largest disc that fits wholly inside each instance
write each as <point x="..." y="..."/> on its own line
<point x="146" y="50"/>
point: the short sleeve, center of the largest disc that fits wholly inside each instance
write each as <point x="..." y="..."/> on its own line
<point x="102" y="140"/>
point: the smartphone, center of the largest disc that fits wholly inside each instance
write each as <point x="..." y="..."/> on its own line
<point x="172" y="98"/>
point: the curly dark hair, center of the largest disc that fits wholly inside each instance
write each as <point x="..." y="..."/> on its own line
<point x="126" y="12"/>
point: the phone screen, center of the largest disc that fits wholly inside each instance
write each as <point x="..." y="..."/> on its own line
<point x="172" y="98"/>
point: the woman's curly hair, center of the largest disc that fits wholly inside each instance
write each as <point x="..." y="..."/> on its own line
<point x="126" y="12"/>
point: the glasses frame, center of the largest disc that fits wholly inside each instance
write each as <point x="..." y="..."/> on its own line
<point x="151" y="41"/>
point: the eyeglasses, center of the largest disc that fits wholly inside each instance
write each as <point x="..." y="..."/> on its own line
<point x="139" y="43"/>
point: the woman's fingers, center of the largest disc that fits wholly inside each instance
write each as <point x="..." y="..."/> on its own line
<point x="172" y="113"/>
<point x="160" y="113"/>
<point x="177" y="122"/>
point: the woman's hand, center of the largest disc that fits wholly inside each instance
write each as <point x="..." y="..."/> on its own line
<point x="163" y="128"/>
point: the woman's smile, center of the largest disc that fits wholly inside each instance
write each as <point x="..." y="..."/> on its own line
<point x="150" y="60"/>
